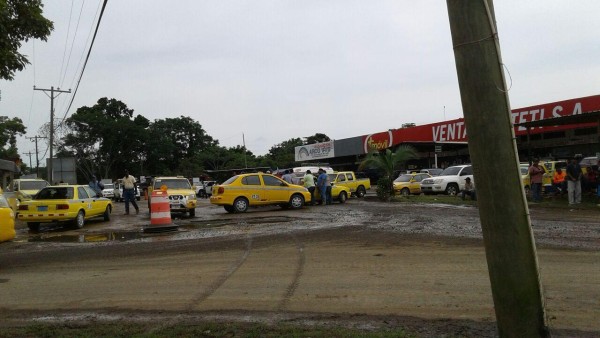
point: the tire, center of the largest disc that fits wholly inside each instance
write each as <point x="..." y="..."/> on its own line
<point x="192" y="212"/>
<point x="296" y="201"/>
<point x="361" y="192"/>
<point x="342" y="197"/>
<point x="79" y="221"/>
<point x="452" y="189"/>
<point x="240" y="204"/>
<point x="33" y="226"/>
<point x="405" y="192"/>
<point x="229" y="208"/>
<point x="106" y="214"/>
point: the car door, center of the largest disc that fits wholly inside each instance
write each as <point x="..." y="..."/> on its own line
<point x="253" y="190"/>
<point x="276" y="190"/>
<point x="95" y="206"/>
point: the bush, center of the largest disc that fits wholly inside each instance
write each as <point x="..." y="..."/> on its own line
<point x="384" y="188"/>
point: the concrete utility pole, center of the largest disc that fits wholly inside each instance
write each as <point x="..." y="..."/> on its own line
<point x="37" y="161"/>
<point x="29" y="154"/>
<point x="52" y="97"/>
<point x="509" y="244"/>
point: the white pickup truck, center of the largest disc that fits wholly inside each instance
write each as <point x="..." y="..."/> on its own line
<point x="451" y="181"/>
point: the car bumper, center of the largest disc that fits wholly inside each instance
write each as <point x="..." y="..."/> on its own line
<point x="431" y="188"/>
<point x="46" y="216"/>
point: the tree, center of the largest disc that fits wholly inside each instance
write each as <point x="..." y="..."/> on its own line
<point x="9" y="129"/>
<point x="20" y="20"/>
<point x="316" y="138"/>
<point x="387" y="161"/>
<point x="282" y="155"/>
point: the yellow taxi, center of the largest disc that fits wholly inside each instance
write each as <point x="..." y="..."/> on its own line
<point x="181" y="194"/>
<point x="7" y="220"/>
<point x="407" y="184"/>
<point x="547" y="167"/>
<point x="240" y="192"/>
<point x="339" y="193"/>
<point x="26" y="188"/>
<point x="62" y="203"/>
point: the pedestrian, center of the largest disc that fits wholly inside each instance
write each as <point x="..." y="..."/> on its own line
<point x="536" y="173"/>
<point x="287" y="176"/>
<point x="129" y="192"/>
<point x="558" y="181"/>
<point x="574" y="175"/>
<point x="96" y="185"/>
<point x="322" y="185"/>
<point x="309" y="183"/>
<point x="328" y="190"/>
<point x="468" y="190"/>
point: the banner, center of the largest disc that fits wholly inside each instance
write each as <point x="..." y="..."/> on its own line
<point x="314" y="151"/>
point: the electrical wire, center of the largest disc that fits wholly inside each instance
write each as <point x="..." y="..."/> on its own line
<point x="86" y="61"/>
<point x="66" y="44"/>
<point x="72" y="43"/>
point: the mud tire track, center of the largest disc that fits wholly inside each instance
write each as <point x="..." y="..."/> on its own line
<point x="291" y="289"/>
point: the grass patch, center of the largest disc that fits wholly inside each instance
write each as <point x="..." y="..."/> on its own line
<point x="191" y="330"/>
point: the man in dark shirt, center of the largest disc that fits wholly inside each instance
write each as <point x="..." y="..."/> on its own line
<point x="574" y="174"/>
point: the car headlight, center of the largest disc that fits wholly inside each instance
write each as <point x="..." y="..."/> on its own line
<point x="438" y="181"/>
<point x="191" y="196"/>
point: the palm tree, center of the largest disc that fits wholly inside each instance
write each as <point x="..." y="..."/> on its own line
<point x="388" y="161"/>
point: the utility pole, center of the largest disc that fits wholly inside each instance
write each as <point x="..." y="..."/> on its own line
<point x="29" y="153"/>
<point x="52" y="97"/>
<point x="37" y="161"/>
<point x="507" y="235"/>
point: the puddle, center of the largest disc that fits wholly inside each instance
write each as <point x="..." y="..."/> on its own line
<point x="89" y="238"/>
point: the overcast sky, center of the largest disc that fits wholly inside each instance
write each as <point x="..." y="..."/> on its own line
<point x="274" y="70"/>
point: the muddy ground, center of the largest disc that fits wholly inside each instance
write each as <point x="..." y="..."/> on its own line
<point x="363" y="264"/>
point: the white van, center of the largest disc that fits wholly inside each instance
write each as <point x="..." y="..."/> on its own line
<point x="299" y="172"/>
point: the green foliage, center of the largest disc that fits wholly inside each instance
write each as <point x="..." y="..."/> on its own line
<point x="316" y="138"/>
<point x="282" y="154"/>
<point x="9" y="129"/>
<point x="20" y="20"/>
<point x="384" y="192"/>
<point x="387" y="162"/>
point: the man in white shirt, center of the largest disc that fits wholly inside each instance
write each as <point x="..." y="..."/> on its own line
<point x="129" y="192"/>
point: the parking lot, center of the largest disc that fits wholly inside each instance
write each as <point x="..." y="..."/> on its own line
<point x="365" y="262"/>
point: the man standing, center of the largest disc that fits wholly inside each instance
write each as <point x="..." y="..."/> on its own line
<point x="287" y="176"/>
<point x="129" y="192"/>
<point x="96" y="185"/>
<point x="309" y="183"/>
<point x="536" y="174"/>
<point x="322" y="185"/>
<point x="574" y="174"/>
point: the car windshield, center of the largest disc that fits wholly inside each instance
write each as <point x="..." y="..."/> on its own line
<point x="3" y="202"/>
<point x="450" y="171"/>
<point x="109" y="186"/>
<point x="55" y="193"/>
<point x="435" y="171"/>
<point x="172" y="183"/>
<point x="524" y="170"/>
<point x="403" y="178"/>
<point x="33" y="185"/>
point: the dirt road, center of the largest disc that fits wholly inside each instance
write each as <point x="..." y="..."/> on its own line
<point x="364" y="263"/>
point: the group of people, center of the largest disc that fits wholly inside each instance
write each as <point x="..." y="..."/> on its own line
<point x="572" y="180"/>
<point x="323" y="184"/>
<point x="129" y="183"/>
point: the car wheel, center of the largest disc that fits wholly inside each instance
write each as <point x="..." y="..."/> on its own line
<point x="452" y="189"/>
<point x="192" y="212"/>
<point x="343" y="197"/>
<point x="33" y="226"/>
<point x="106" y="214"/>
<point x="297" y="201"/>
<point x="79" y="220"/>
<point x="361" y="192"/>
<point x="240" y="204"/>
<point x="229" y="208"/>
<point x="405" y="192"/>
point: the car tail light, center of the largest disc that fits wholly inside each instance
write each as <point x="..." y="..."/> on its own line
<point x="23" y="207"/>
<point x="62" y="207"/>
<point x="220" y="190"/>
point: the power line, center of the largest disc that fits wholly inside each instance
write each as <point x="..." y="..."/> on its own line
<point x="86" y="61"/>
<point x="66" y="43"/>
<point x="72" y="44"/>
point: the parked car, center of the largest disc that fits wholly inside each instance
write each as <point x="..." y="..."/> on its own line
<point x="407" y="184"/>
<point x="339" y="193"/>
<point x="64" y="203"/>
<point x="451" y="181"/>
<point x="7" y="220"/>
<point x="204" y="189"/>
<point x="26" y="188"/>
<point x="240" y="192"/>
<point x="432" y="171"/>
<point x="108" y="191"/>
<point x="118" y="192"/>
<point x="358" y="186"/>
<point x="182" y="197"/>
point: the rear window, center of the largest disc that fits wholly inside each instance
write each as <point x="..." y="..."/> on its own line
<point x="230" y="180"/>
<point x="33" y="185"/>
<point x="55" y="193"/>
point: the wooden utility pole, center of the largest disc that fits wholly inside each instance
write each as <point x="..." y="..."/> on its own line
<point x="37" y="161"/>
<point x="509" y="244"/>
<point x="51" y="145"/>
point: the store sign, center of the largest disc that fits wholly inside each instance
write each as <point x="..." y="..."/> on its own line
<point x="314" y="151"/>
<point x="379" y="141"/>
